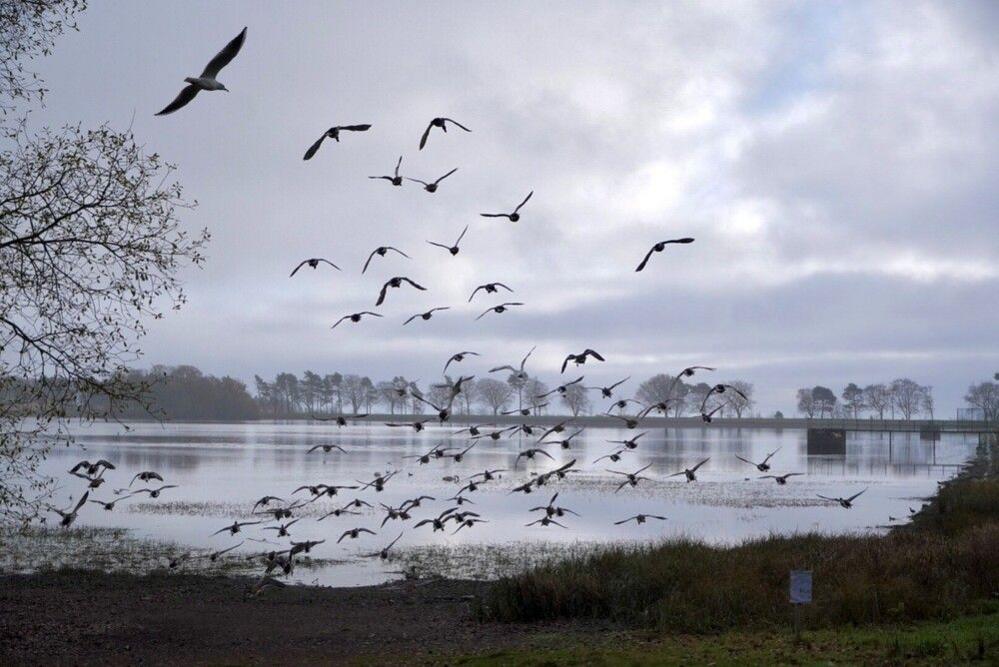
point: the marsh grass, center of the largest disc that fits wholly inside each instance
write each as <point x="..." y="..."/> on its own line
<point x="947" y="564"/>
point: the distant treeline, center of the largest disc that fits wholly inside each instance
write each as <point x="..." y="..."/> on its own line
<point x="184" y="392"/>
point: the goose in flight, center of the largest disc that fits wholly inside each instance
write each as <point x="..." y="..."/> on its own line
<point x="629" y="422"/>
<point x="215" y="555"/>
<point x="631" y="478"/>
<point x="282" y="529"/>
<point x="438" y="521"/>
<point x="614" y="456"/>
<point x="781" y="479"/>
<point x="519" y="373"/>
<point x="460" y="455"/>
<point x="488" y="475"/>
<point x="690" y="473"/>
<point x="109" y="506"/>
<point x="762" y="466"/>
<point x="92" y="482"/>
<point x="338" y="511"/>
<point x="354" y="533"/>
<point x="266" y="583"/>
<point x="631" y="443"/>
<point x="313" y="263"/>
<point x="845" y="503"/>
<point x="341" y="420"/>
<point x="303" y="547"/>
<point x="69" y="516"/>
<point x="490" y="288"/>
<point x="608" y="391"/>
<point x="562" y="470"/>
<point x="427" y="315"/>
<point x="513" y="217"/>
<point x="392" y="513"/>
<point x="565" y="442"/>
<point x="394" y="283"/>
<point x="381" y="251"/>
<point x="640" y="519"/>
<point x="334" y="134"/>
<point x="432" y="186"/>
<point x="454" y="387"/>
<point x="580" y="359"/>
<point x="545" y="521"/>
<point x="415" y="502"/>
<point x="155" y="493"/>
<point x="530" y="454"/>
<point x="395" y="179"/>
<point x="92" y="468"/>
<point x="453" y="249"/>
<point x="551" y="509"/>
<point x="437" y="452"/>
<point x="502" y="308"/>
<point x="416" y="426"/>
<point x="525" y="412"/>
<point x="326" y="448"/>
<point x="557" y="428"/>
<point x="467" y="522"/>
<point x="146" y="477"/>
<point x="265" y="501"/>
<point x="207" y="80"/>
<point x="384" y="553"/>
<point x="378" y="483"/>
<point x="442" y="124"/>
<point x="659" y="247"/>
<point x="458" y="358"/>
<point x="235" y="527"/>
<point x="460" y="499"/>
<point x="706" y="417"/>
<point x="720" y="389"/>
<point x="353" y="317"/>
<point x="562" y="388"/>
<point x="661" y="406"/>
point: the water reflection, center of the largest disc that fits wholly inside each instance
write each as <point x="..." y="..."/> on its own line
<point x="221" y="469"/>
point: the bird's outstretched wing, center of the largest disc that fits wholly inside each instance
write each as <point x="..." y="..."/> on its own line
<point x="446" y="175"/>
<point x="449" y="120"/>
<point x="381" y="295"/>
<point x="646" y="260"/>
<point x="426" y="133"/>
<point x="417" y="286"/>
<point x="356" y="128"/>
<point x="300" y="265"/>
<point x="368" y="261"/>
<point x="526" y="199"/>
<point x="225" y="56"/>
<point x="854" y="496"/>
<point x="187" y="93"/>
<point x="314" y="147"/>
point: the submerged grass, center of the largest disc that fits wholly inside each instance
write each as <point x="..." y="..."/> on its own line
<point x="946" y="565"/>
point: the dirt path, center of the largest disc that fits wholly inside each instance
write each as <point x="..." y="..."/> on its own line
<point x="87" y="618"/>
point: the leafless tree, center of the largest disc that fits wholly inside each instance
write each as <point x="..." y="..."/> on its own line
<point x="908" y="396"/>
<point x="577" y="399"/>
<point x="494" y="394"/>
<point x="736" y="402"/>
<point x="664" y="388"/>
<point x="534" y="388"/>
<point x="806" y="403"/>
<point x="985" y="397"/>
<point x="90" y="249"/>
<point x="877" y="398"/>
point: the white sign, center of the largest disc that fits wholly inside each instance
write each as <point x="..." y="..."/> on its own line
<point x="801" y="586"/>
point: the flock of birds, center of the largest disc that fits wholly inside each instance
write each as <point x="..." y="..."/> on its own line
<point x="277" y="514"/>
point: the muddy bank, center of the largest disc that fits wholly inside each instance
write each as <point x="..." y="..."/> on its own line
<point x="75" y="617"/>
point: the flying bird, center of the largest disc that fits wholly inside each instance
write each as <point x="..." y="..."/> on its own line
<point x="326" y="448"/>
<point x="530" y="454"/>
<point x="313" y="263"/>
<point x="490" y="288"/>
<point x="341" y="420"/>
<point x="155" y="493"/>
<point x="458" y="358"/>
<point x="427" y="315"/>
<point x="580" y="359"/>
<point x="395" y="179"/>
<point x="690" y="473"/>
<point x="396" y="283"/>
<point x="513" y="217"/>
<point x="845" y="503"/>
<point x="762" y="466"/>
<point x="207" y="80"/>
<point x="502" y="308"/>
<point x="518" y="372"/>
<point x="235" y="527"/>
<point x="659" y="247"/>
<point x="381" y="252"/>
<point x="453" y="249"/>
<point x="781" y="479"/>
<point x="109" y="506"/>
<point x="562" y="388"/>
<point x="69" y="516"/>
<point x="384" y="553"/>
<point x="432" y="186"/>
<point x="608" y="391"/>
<point x="631" y="478"/>
<point x="92" y="468"/>
<point x="631" y="443"/>
<point x="334" y="133"/>
<point x="354" y="533"/>
<point x="355" y="317"/>
<point x="146" y="476"/>
<point x="640" y="519"/>
<point x="442" y="124"/>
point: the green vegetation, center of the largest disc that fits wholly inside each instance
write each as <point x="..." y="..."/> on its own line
<point x="972" y="640"/>
<point x="944" y="566"/>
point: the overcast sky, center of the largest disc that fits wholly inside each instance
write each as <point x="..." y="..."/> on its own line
<point x="837" y="163"/>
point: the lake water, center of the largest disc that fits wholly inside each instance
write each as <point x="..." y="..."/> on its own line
<point x="222" y="469"/>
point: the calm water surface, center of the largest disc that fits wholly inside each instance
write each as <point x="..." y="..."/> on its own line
<point x="222" y="469"/>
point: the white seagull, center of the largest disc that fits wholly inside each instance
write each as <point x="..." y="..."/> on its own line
<point x="207" y="80"/>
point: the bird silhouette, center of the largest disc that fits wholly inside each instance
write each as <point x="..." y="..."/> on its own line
<point x="442" y="124"/>
<point x="395" y="179"/>
<point x="334" y="134"/>
<point x="394" y="283"/>
<point x="208" y="79"/>
<point x="513" y="217"/>
<point x="313" y="263"/>
<point x="432" y="185"/>
<point x="659" y="247"/>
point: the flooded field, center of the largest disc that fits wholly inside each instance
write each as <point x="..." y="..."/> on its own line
<point x="221" y="470"/>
